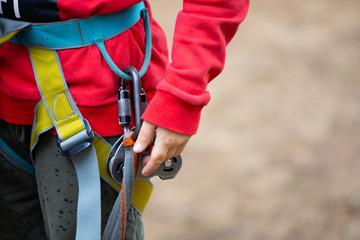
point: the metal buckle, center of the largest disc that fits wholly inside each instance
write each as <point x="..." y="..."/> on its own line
<point x="78" y="142"/>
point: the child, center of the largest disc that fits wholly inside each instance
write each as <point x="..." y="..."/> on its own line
<point x="176" y="94"/>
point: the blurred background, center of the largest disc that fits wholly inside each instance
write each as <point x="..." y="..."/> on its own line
<point x="277" y="153"/>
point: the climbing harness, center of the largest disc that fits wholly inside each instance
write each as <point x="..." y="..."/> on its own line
<point x="75" y="138"/>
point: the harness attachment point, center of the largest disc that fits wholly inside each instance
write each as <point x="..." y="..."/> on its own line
<point x="128" y="140"/>
<point x="78" y="142"/>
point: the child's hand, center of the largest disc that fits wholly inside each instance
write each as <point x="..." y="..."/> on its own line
<point x="167" y="144"/>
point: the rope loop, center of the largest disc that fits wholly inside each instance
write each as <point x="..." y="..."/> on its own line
<point x="100" y="43"/>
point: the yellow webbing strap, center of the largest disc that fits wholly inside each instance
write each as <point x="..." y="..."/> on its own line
<point x="57" y="98"/>
<point x="8" y="36"/>
<point x="58" y="107"/>
<point x="142" y="187"/>
<point x="142" y="192"/>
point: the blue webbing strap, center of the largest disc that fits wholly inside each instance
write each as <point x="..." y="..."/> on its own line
<point x="15" y="159"/>
<point x="88" y="222"/>
<point x="100" y="43"/>
<point x="89" y="205"/>
<point x="64" y="114"/>
<point x="76" y="33"/>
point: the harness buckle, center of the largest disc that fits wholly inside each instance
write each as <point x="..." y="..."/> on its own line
<point x="76" y="143"/>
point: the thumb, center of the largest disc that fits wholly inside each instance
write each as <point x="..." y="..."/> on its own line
<point x="145" y="136"/>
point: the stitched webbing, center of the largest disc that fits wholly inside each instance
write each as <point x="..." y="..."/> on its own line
<point x="58" y="109"/>
<point x="69" y="124"/>
<point x="56" y="96"/>
<point x="58" y="112"/>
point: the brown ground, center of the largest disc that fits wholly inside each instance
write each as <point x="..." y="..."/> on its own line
<point x="277" y="153"/>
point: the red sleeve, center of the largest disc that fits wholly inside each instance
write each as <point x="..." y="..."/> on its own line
<point x="202" y="31"/>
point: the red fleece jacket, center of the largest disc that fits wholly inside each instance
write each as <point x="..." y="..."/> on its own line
<point x="176" y="91"/>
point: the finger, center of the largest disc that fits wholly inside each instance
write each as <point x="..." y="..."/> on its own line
<point x="179" y="150"/>
<point x="158" y="156"/>
<point x="145" y="136"/>
<point x="171" y="153"/>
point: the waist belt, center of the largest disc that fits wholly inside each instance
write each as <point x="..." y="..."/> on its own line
<point x="58" y="109"/>
<point x="83" y="32"/>
<point x="80" y="32"/>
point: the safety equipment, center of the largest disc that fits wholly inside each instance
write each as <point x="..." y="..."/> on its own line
<point x="57" y="109"/>
<point x="116" y="158"/>
<point x="123" y="164"/>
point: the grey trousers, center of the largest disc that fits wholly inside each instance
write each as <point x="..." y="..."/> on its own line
<point x="45" y="207"/>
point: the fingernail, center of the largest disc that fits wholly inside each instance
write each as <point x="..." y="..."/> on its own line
<point x="137" y="147"/>
<point x="145" y="173"/>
